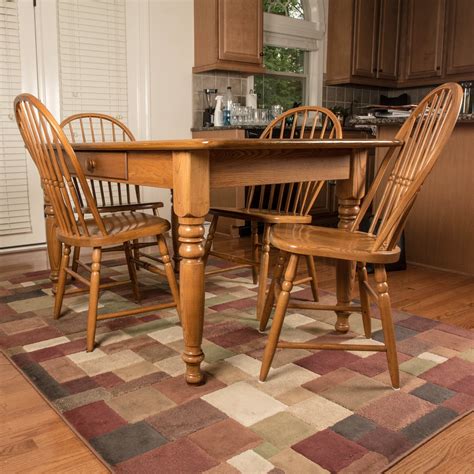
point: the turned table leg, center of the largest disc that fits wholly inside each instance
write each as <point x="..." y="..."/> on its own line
<point x="191" y="280"/>
<point x="174" y="236"/>
<point x="52" y="243"/>
<point x="191" y="204"/>
<point x="350" y="193"/>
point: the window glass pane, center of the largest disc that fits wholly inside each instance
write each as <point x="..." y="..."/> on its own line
<point x="275" y="90"/>
<point x="284" y="59"/>
<point x="291" y="8"/>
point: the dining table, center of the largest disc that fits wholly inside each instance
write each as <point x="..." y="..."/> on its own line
<point x="192" y="167"/>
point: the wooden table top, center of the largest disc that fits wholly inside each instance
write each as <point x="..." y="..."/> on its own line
<point x="241" y="144"/>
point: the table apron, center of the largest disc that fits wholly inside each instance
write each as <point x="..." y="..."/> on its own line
<point x="227" y="168"/>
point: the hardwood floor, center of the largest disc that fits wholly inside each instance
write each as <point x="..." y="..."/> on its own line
<point x="450" y="451"/>
<point x="33" y="437"/>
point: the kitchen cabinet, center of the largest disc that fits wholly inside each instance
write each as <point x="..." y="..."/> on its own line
<point x="459" y="38"/>
<point x="400" y="43"/>
<point x="228" y="36"/>
<point x="424" y="39"/>
<point x="389" y="39"/>
<point x="363" y="39"/>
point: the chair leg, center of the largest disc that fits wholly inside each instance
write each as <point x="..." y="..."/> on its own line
<point x="364" y="299"/>
<point x="170" y="275"/>
<point x="255" y="252"/>
<point x="282" y="305"/>
<point x="136" y="253"/>
<point x="314" y="278"/>
<point x="210" y="238"/>
<point x="132" y="271"/>
<point x="387" y="324"/>
<point x="58" y="302"/>
<point x="267" y="309"/>
<point x="93" y="298"/>
<point x="75" y="257"/>
<point x="263" y="273"/>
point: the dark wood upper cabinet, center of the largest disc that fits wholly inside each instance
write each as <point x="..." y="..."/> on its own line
<point x="363" y="38"/>
<point x="399" y="43"/>
<point x="389" y="39"/>
<point x="364" y="51"/>
<point x="460" y="37"/>
<point x="424" y="42"/>
<point x="228" y="35"/>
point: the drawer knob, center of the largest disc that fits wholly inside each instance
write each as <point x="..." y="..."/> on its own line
<point x="91" y="165"/>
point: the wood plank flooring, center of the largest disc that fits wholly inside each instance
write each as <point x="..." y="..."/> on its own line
<point x="34" y="438"/>
<point x="448" y="452"/>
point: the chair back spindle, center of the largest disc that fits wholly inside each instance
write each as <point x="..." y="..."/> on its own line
<point x="306" y="122"/>
<point x="96" y="128"/>
<point x="55" y="160"/>
<point x="405" y="169"/>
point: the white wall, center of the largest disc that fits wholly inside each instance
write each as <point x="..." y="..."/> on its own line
<point x="171" y="28"/>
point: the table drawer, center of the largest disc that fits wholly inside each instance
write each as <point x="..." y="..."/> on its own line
<point x="110" y="165"/>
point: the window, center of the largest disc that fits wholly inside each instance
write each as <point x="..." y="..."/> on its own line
<point x="14" y="198"/>
<point x="291" y="40"/>
<point x="285" y="85"/>
<point x="290" y="8"/>
<point x="93" y="57"/>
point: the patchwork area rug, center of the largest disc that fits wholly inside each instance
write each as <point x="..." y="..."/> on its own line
<point x="318" y="411"/>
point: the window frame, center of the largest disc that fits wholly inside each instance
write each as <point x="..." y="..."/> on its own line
<point x="307" y="34"/>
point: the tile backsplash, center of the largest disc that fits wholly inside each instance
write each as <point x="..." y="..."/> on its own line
<point x="355" y="98"/>
<point x="350" y="97"/>
<point x="220" y="81"/>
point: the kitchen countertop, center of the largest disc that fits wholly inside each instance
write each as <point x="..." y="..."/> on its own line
<point x="371" y="121"/>
<point x="348" y="128"/>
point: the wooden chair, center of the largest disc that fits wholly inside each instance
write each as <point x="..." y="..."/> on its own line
<point x="57" y="163"/>
<point x="109" y="196"/>
<point x="402" y="172"/>
<point x="288" y="203"/>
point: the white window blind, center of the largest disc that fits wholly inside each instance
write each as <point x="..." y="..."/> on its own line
<point x="14" y="200"/>
<point x="93" y="57"/>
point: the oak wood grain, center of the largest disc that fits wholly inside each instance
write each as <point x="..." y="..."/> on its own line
<point x="33" y="437"/>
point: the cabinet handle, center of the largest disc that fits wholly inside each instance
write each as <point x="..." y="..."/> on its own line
<point x="261" y="53"/>
<point x="380" y="70"/>
<point x="438" y="68"/>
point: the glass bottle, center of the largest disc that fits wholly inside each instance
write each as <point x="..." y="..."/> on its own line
<point x="227" y="105"/>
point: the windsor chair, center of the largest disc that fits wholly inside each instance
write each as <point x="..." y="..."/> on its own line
<point x="287" y="203"/>
<point x="57" y="164"/>
<point x="109" y="196"/>
<point x="404" y="170"/>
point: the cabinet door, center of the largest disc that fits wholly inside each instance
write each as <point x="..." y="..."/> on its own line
<point x="425" y="38"/>
<point x="365" y="38"/>
<point x="240" y="30"/>
<point x="460" y="47"/>
<point x="389" y="37"/>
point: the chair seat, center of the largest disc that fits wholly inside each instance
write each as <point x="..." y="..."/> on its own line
<point x="137" y="206"/>
<point x="266" y="216"/>
<point x="328" y="242"/>
<point x="121" y="227"/>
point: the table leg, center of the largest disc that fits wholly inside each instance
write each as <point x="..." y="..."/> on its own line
<point x="191" y="280"/>
<point x="174" y="236"/>
<point x="52" y="243"/>
<point x="191" y="204"/>
<point x="349" y="193"/>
